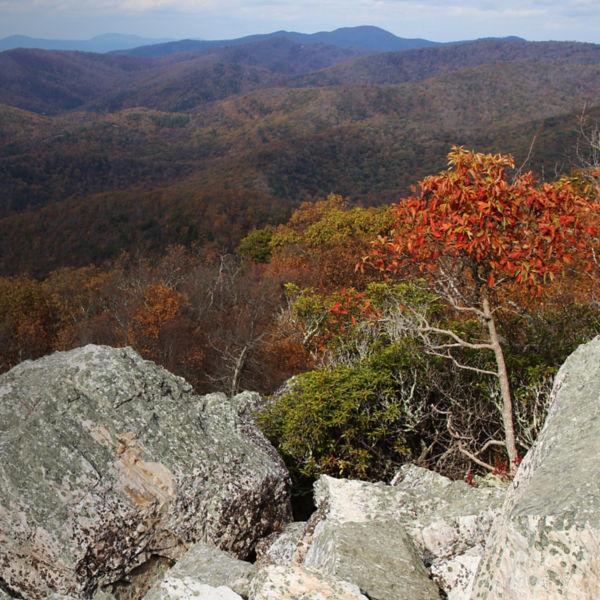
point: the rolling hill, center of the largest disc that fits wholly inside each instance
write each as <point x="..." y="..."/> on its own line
<point x="367" y="38"/>
<point x="53" y="82"/>
<point x="201" y="147"/>
<point x="106" y="42"/>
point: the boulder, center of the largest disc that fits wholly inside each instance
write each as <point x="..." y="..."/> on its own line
<point x="108" y="461"/>
<point x="188" y="588"/>
<point x="377" y="556"/>
<point x="450" y="523"/>
<point x="299" y="583"/>
<point x="546" y="542"/>
<point x="279" y="548"/>
<point x="206" y="565"/>
<point x="423" y="518"/>
<point x="356" y="535"/>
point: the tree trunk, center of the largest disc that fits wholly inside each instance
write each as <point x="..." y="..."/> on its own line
<point x="507" y="408"/>
<point x="237" y="373"/>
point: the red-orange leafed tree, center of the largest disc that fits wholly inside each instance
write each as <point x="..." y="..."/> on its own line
<point x="475" y="234"/>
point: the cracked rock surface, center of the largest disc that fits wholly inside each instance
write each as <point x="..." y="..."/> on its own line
<point x="107" y="460"/>
<point x="300" y="583"/>
<point x="204" y="565"/>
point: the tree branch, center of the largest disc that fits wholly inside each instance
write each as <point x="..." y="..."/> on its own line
<point x="472" y="457"/>
<point x="460" y="365"/>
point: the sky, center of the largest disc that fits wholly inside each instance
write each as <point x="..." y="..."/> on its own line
<point x="436" y="20"/>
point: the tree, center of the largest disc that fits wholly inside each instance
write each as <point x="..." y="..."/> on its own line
<point x="477" y="236"/>
<point x="28" y="320"/>
<point x="322" y="242"/>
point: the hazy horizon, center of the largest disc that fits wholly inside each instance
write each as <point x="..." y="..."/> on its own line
<point x="435" y="20"/>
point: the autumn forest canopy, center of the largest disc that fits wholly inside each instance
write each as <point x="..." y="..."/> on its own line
<point x="412" y="235"/>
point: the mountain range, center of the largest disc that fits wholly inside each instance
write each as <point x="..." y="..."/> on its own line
<point x="101" y="153"/>
<point x="372" y="39"/>
<point x="367" y="37"/>
<point x="101" y="43"/>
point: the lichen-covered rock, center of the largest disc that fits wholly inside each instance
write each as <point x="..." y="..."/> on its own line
<point x="205" y="565"/>
<point x="188" y="588"/>
<point x="546" y="543"/>
<point x="455" y="575"/>
<point x="299" y="583"/>
<point x="444" y="519"/>
<point x="279" y="548"/>
<point x="107" y="460"/>
<point x="103" y="595"/>
<point x="377" y="556"/>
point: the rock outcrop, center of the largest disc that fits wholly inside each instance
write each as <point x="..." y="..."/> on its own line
<point x="108" y="461"/>
<point x="424" y="518"/>
<point x="546" y="543"/>
<point x="109" y="465"/>
<point x="366" y="540"/>
<point x="279" y="548"/>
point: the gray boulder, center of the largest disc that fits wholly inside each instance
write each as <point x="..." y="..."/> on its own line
<point x="546" y="543"/>
<point x="107" y="461"/>
<point x="377" y="556"/>
<point x="449" y="521"/>
<point x="279" y="548"/>
<point x="422" y="518"/>
<point x="300" y="583"/>
<point x="356" y="535"/>
<point x="188" y="588"/>
<point x="204" y="564"/>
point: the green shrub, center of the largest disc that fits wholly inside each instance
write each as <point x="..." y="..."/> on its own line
<point x="388" y="396"/>
<point x="352" y="421"/>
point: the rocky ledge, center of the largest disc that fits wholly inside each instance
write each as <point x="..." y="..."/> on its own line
<point x="112" y="469"/>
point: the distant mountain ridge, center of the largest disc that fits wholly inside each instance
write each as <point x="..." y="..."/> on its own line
<point x="386" y="68"/>
<point x="53" y="82"/>
<point x="106" y="42"/>
<point x="368" y="37"/>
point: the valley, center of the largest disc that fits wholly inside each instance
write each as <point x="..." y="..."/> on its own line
<point x="101" y="154"/>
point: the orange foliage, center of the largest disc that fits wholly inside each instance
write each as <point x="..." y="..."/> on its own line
<point x="27" y="320"/>
<point x="474" y="217"/>
<point x="161" y="306"/>
<point x="323" y="241"/>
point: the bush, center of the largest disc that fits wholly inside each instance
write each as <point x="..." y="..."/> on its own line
<point x="359" y="421"/>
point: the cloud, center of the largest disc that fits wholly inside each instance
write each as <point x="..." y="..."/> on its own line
<point x="440" y="20"/>
<point x="116" y="6"/>
<point x="189" y="6"/>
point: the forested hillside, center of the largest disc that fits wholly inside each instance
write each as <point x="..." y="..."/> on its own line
<point x="101" y="154"/>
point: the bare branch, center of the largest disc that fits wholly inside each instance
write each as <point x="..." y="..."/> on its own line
<point x="460" y="342"/>
<point x="527" y="158"/>
<point x="461" y="365"/>
<point x="466" y="452"/>
<point x="476" y="460"/>
<point x="428" y="328"/>
<point x="490" y="443"/>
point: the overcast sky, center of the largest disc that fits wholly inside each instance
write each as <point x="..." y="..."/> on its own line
<point x="437" y="20"/>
